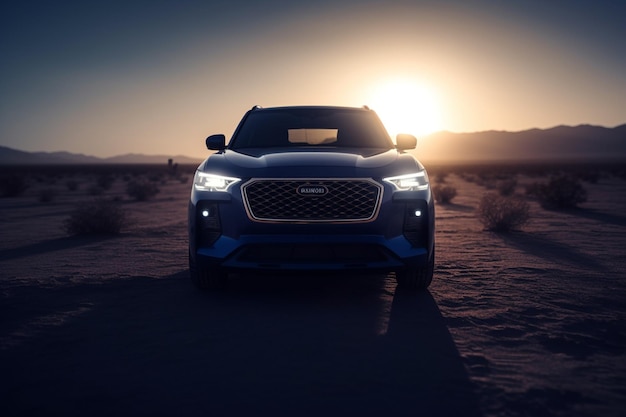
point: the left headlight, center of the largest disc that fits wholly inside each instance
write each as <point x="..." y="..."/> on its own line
<point x="203" y="181"/>
<point x="409" y="182"/>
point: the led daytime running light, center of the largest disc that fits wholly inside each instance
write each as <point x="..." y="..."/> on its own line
<point x="211" y="182"/>
<point x="410" y="182"/>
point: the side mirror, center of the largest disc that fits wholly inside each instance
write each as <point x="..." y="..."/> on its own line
<point x="216" y="142"/>
<point x="405" y="141"/>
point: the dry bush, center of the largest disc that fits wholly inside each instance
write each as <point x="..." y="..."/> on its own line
<point x="532" y="189"/>
<point x="468" y="177"/>
<point x="591" y="176"/>
<point x="502" y="213"/>
<point x="100" y="217"/>
<point x="95" y="190"/>
<point x="47" y="195"/>
<point x="142" y="190"/>
<point x="72" y="185"/>
<point x="506" y="187"/>
<point x="13" y="185"/>
<point x="560" y="192"/>
<point x="441" y="176"/>
<point x="618" y="173"/>
<point x="105" y="181"/>
<point x="156" y="177"/>
<point x="484" y="180"/>
<point x="444" y="193"/>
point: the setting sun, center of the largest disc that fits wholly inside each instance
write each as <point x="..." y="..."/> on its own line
<point x="406" y="106"/>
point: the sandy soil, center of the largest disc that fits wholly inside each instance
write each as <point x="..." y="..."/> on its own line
<point x="529" y="323"/>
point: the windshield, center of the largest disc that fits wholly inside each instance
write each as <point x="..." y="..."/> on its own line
<point x="311" y="127"/>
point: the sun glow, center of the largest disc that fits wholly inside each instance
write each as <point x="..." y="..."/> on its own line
<point x="406" y="106"/>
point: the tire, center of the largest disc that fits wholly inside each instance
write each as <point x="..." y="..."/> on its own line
<point x="205" y="278"/>
<point x="416" y="279"/>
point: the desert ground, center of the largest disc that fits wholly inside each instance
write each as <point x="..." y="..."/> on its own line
<point x="525" y="323"/>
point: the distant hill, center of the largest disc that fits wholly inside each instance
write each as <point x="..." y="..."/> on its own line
<point x="561" y="142"/>
<point x="133" y="158"/>
<point x="9" y="156"/>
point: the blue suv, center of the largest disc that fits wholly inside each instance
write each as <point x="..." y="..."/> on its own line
<point x="311" y="189"/>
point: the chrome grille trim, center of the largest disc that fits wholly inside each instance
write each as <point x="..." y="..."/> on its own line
<point x="276" y="200"/>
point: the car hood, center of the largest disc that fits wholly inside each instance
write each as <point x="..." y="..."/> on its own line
<point x="257" y="158"/>
<point x="278" y="162"/>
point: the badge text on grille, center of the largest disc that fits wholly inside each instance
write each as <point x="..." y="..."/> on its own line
<point x="312" y="190"/>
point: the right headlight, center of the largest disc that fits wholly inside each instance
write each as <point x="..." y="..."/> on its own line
<point x="203" y="181"/>
<point x="409" y="182"/>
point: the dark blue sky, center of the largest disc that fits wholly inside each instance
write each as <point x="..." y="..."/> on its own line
<point x="113" y="77"/>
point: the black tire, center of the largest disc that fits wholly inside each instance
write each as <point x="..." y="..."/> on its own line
<point x="417" y="279"/>
<point x="206" y="278"/>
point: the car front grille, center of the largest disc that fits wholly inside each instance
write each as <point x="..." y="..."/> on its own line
<point x="312" y="200"/>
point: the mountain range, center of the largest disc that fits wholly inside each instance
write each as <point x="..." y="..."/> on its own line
<point x="557" y="143"/>
<point x="9" y="156"/>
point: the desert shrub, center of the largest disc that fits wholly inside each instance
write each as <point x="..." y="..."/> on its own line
<point x="13" y="185"/>
<point x="532" y="189"/>
<point x="183" y="180"/>
<point x="156" y="177"/>
<point x="95" y="190"/>
<point x="502" y="213"/>
<point x="172" y="167"/>
<point x="468" y="177"/>
<point x="142" y="190"/>
<point x="105" y="181"/>
<point x="101" y="217"/>
<point x="506" y="187"/>
<point x="46" y="195"/>
<point x="486" y="181"/>
<point x="618" y="173"/>
<point x="591" y="176"/>
<point x="444" y="193"/>
<point x="560" y="192"/>
<point x="72" y="185"/>
<point x="441" y="177"/>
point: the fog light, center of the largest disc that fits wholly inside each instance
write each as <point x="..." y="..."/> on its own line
<point x="415" y="227"/>
<point x="209" y="229"/>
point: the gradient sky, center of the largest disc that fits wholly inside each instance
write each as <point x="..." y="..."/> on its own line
<point x="156" y="77"/>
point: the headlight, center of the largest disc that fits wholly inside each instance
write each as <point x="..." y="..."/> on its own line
<point x="409" y="182"/>
<point x="211" y="182"/>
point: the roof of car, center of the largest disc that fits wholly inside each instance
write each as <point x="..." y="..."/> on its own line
<point x="364" y="108"/>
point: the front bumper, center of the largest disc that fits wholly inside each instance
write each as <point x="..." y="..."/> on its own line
<point x="383" y="244"/>
<point x="311" y="253"/>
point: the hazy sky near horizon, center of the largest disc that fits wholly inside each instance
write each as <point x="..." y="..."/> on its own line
<point x="157" y="77"/>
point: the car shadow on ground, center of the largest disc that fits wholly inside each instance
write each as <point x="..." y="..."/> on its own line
<point x="305" y="346"/>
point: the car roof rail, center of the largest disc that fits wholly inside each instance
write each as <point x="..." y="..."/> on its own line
<point x="255" y="107"/>
<point x="366" y="107"/>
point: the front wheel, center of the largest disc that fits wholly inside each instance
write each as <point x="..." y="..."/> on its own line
<point x="417" y="279"/>
<point x="206" y="278"/>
